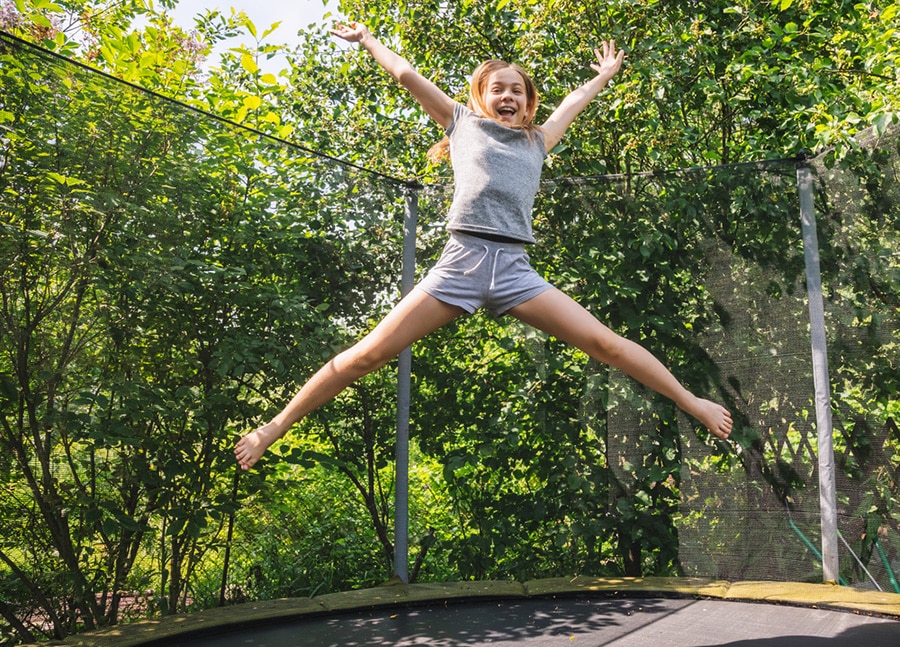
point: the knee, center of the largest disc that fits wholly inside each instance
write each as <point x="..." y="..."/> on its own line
<point x="362" y="359"/>
<point x="607" y="347"/>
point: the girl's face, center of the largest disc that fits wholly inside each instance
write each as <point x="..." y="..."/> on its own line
<point x="505" y="97"/>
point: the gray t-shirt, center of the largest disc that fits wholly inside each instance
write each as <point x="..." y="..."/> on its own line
<point x="496" y="172"/>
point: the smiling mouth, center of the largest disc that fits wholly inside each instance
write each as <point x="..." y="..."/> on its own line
<point x="506" y="112"/>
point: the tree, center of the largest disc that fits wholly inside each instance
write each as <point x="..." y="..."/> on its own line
<point x="150" y="294"/>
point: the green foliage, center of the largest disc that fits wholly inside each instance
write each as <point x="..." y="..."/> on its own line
<point x="167" y="280"/>
<point x="720" y="82"/>
<point x="305" y="532"/>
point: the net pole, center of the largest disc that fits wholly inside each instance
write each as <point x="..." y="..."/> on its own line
<point x="404" y="378"/>
<point x="827" y="496"/>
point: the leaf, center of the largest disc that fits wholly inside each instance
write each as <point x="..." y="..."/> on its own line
<point x="883" y="121"/>
<point x="150" y="60"/>
<point x="59" y="178"/>
<point x="272" y="28"/>
<point x="248" y="24"/>
<point x="42" y="21"/>
<point x="249" y="64"/>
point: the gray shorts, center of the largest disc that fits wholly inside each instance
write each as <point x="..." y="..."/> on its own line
<point x="477" y="273"/>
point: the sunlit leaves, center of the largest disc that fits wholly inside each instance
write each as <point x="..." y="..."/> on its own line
<point x="249" y="64"/>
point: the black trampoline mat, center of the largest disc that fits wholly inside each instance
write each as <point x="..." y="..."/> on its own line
<point x="640" y="622"/>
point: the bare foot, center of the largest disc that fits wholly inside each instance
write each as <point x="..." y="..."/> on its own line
<point x="252" y="446"/>
<point x="716" y="417"/>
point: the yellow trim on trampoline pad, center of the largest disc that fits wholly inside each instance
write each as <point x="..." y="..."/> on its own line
<point x="395" y="594"/>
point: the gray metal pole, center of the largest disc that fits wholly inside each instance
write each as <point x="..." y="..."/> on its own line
<point x="827" y="496"/>
<point x="404" y="373"/>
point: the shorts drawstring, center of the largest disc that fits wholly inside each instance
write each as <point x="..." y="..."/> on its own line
<point x="487" y="251"/>
<point x="472" y="269"/>
<point x="494" y="268"/>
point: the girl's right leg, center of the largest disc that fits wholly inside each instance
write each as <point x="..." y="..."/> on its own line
<point x="417" y="315"/>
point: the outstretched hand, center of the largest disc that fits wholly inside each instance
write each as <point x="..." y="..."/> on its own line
<point x="352" y="32"/>
<point x="609" y="60"/>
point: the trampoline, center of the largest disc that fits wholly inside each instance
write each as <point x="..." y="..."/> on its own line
<point x="682" y="612"/>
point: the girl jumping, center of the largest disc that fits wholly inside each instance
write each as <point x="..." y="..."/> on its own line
<point x="497" y="153"/>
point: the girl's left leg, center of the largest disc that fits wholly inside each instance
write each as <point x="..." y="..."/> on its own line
<point x="559" y="315"/>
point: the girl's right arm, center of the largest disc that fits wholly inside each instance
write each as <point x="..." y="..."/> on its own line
<point x="436" y="103"/>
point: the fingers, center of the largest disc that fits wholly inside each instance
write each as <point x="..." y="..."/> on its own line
<point x="607" y="51"/>
<point x="351" y="30"/>
<point x="340" y="30"/>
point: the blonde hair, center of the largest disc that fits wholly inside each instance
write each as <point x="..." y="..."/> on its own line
<point x="477" y="92"/>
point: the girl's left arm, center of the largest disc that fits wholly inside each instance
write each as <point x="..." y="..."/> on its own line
<point x="608" y="63"/>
